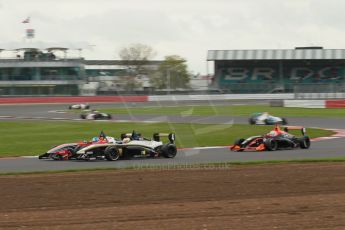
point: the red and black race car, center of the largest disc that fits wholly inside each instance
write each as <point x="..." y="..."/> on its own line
<point x="68" y="151"/>
<point x="274" y="140"/>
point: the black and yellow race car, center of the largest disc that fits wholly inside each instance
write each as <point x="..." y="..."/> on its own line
<point x="130" y="145"/>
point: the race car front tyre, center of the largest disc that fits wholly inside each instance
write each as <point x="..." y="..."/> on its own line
<point x="239" y="142"/>
<point x="83" y="116"/>
<point x="169" y="151"/>
<point x="44" y="156"/>
<point x="111" y="153"/>
<point x="305" y="142"/>
<point x="271" y="144"/>
<point x="57" y="157"/>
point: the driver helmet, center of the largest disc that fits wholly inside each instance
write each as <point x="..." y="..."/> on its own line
<point x="110" y="139"/>
<point x="95" y="139"/>
<point x="126" y="140"/>
<point x="272" y="134"/>
<point x="265" y="114"/>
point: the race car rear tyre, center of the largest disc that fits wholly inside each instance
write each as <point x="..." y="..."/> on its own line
<point x="169" y="151"/>
<point x="305" y="142"/>
<point x="251" y="121"/>
<point x="111" y="153"/>
<point x="83" y="116"/>
<point x="271" y="145"/>
<point x="284" y="121"/>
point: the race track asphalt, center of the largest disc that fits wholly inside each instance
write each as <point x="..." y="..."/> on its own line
<point x="319" y="149"/>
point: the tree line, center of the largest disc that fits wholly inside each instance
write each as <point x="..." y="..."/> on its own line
<point x="172" y="73"/>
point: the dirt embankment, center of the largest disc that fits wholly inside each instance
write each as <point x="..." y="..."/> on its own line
<point x="290" y="196"/>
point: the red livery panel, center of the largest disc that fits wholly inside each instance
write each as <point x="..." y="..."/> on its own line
<point x="335" y="103"/>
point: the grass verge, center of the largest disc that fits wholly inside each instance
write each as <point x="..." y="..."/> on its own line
<point x="24" y="138"/>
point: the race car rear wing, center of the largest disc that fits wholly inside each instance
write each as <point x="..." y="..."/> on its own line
<point x="156" y="136"/>
<point x="303" y="130"/>
<point x="171" y="136"/>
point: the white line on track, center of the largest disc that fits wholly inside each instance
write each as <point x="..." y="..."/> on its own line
<point x="56" y="111"/>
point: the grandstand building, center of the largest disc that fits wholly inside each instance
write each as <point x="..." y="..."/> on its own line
<point x="51" y="71"/>
<point x="31" y="71"/>
<point x="304" y="69"/>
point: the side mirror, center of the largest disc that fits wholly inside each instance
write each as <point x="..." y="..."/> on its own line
<point x="156" y="137"/>
<point x="171" y="138"/>
<point x="304" y="131"/>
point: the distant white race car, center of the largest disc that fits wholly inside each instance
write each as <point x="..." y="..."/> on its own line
<point x="95" y="115"/>
<point x="266" y="119"/>
<point x="79" y="106"/>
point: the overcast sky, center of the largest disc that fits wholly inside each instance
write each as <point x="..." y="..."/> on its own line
<point x="183" y="27"/>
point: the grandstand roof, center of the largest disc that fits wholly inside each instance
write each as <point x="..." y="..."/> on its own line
<point x="119" y="62"/>
<point x="40" y="45"/>
<point x="279" y="54"/>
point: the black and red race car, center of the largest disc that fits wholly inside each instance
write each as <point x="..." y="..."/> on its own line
<point x="68" y="151"/>
<point x="274" y="140"/>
